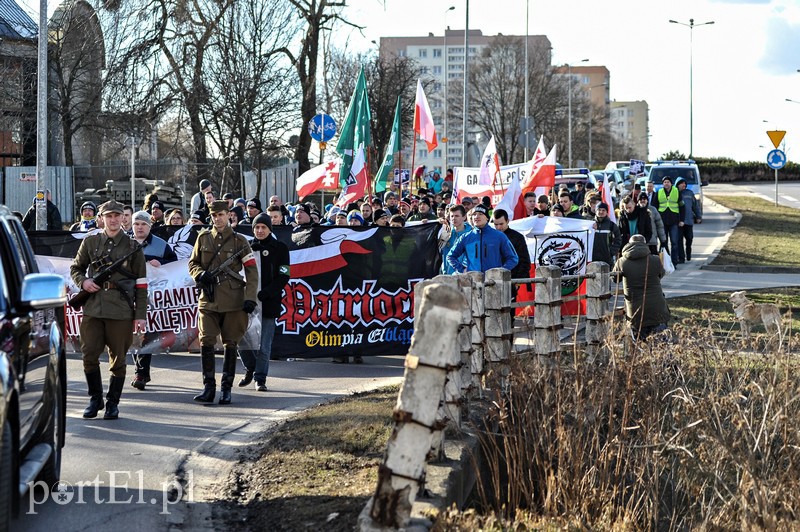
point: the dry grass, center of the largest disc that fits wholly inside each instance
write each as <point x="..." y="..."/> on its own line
<point x="315" y="472"/>
<point x="688" y="431"/>
<point x="765" y="235"/>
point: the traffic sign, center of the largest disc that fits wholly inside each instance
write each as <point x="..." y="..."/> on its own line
<point x="776" y="137"/>
<point x="322" y="127"/>
<point x="776" y="159"/>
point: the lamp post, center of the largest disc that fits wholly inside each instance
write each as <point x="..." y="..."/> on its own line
<point x="445" y="138"/>
<point x="465" y="110"/>
<point x="569" y="110"/>
<point x="591" y="117"/>
<point x="691" y="25"/>
<point x="527" y="125"/>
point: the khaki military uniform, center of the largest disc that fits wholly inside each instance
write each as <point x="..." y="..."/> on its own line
<point x="224" y="315"/>
<point x="108" y="314"/>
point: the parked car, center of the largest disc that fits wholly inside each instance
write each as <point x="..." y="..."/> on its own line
<point x="687" y="169"/>
<point x="618" y="165"/>
<point x="32" y="369"/>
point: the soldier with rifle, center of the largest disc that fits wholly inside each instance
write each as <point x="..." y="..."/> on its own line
<point x="111" y="273"/>
<point x="226" y="299"/>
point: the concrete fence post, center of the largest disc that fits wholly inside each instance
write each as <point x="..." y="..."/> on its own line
<point x="429" y="358"/>
<point x="547" y="311"/>
<point x="598" y="292"/>
<point x="478" y="317"/>
<point x="465" y="336"/>
<point x="497" y="325"/>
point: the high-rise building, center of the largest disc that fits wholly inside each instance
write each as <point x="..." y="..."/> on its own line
<point x="441" y="59"/>
<point x="630" y="124"/>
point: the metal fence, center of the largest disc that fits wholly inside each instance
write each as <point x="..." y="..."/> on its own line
<point x="19" y="188"/>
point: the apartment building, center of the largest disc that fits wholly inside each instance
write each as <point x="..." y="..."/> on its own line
<point x="630" y="123"/>
<point x="441" y="58"/>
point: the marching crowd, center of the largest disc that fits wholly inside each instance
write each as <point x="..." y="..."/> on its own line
<point x="647" y="222"/>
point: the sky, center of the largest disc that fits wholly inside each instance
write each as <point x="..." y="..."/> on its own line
<point x="745" y="64"/>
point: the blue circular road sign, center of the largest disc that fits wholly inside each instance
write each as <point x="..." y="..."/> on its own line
<point x="322" y="127"/>
<point x="776" y="159"/>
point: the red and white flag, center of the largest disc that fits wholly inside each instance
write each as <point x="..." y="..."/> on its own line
<point x="512" y="201"/>
<point x="536" y="161"/>
<point x="605" y="195"/>
<point x="490" y="164"/>
<point x="356" y="185"/>
<point x="324" y="176"/>
<point x="423" y="119"/>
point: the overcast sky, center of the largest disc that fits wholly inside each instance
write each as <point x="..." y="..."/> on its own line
<point x="745" y="64"/>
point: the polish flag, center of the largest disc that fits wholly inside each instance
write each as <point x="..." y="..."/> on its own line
<point x="605" y="195"/>
<point x="541" y="178"/>
<point x="356" y="185"/>
<point x="324" y="176"/>
<point x="423" y="119"/>
<point x="490" y="164"/>
<point x="513" y="200"/>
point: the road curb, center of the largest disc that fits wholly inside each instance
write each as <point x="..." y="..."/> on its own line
<point x="721" y="241"/>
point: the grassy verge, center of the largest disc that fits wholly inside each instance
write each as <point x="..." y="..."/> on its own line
<point x="315" y="472"/>
<point x="765" y="235"/>
<point x="715" y="312"/>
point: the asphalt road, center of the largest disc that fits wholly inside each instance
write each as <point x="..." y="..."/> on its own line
<point x="788" y="193"/>
<point x="161" y="431"/>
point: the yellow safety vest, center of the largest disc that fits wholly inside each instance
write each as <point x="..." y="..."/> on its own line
<point x="670" y="202"/>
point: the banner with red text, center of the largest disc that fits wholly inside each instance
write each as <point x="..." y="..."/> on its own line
<point x="350" y="293"/>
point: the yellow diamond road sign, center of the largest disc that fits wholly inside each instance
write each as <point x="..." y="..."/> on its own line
<point x="776" y="137"/>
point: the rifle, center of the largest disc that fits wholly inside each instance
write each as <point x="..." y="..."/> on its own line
<point x="208" y="289"/>
<point x="105" y="269"/>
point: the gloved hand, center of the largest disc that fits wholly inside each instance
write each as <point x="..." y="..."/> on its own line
<point x="206" y="278"/>
<point x="261" y="295"/>
<point x="249" y="306"/>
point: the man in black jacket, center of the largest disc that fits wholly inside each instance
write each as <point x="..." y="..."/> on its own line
<point x="523" y="268"/>
<point x="53" y="216"/>
<point x="274" y="257"/>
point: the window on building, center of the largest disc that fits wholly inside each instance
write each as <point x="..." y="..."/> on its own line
<point x="423" y="52"/>
<point x="585" y="80"/>
<point x="437" y="70"/>
<point x="437" y="52"/>
<point x="401" y="53"/>
<point x="423" y="70"/>
<point x="422" y="154"/>
<point x="630" y="112"/>
<point x="437" y="154"/>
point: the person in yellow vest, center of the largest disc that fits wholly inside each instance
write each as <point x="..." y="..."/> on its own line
<point x="668" y="202"/>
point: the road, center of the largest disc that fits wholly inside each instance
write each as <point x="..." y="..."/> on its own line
<point x="788" y="193"/>
<point x="162" y="431"/>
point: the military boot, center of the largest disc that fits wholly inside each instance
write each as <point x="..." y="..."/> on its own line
<point x="95" y="382"/>
<point x="209" y="379"/>
<point x="112" y="397"/>
<point x="228" y="372"/>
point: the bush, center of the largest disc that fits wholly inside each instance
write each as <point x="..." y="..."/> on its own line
<point x="724" y="170"/>
<point x="692" y="431"/>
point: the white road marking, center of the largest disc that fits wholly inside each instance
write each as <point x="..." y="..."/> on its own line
<point x="789" y="198"/>
<point x="765" y="197"/>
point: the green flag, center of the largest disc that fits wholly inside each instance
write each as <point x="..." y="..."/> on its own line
<point x="355" y="128"/>
<point x="381" y="179"/>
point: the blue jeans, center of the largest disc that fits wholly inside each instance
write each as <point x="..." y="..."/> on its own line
<point x="674" y="237"/>
<point x="258" y="361"/>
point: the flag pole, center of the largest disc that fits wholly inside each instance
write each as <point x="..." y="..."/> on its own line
<point x="411" y="176"/>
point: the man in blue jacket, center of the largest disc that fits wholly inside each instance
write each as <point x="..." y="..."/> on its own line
<point x="484" y="247"/>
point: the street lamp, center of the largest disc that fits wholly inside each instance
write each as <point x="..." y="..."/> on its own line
<point x="527" y="125"/>
<point x="569" y="109"/>
<point x="591" y="117"/>
<point x="445" y="138"/>
<point x="691" y="26"/>
<point x="465" y="105"/>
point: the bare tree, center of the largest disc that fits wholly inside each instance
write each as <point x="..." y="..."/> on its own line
<point x="498" y="102"/>
<point x="319" y="16"/>
<point x="387" y="78"/>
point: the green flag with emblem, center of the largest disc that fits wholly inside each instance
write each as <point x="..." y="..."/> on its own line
<point x="355" y="128"/>
<point x="382" y="178"/>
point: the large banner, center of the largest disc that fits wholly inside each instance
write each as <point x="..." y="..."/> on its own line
<point x="350" y="293"/>
<point x="466" y="182"/>
<point x="563" y="242"/>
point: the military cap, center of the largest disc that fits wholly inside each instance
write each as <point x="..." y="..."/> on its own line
<point x="219" y="206"/>
<point x="111" y="206"/>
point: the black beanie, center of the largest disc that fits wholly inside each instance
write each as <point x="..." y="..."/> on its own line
<point x="263" y="218"/>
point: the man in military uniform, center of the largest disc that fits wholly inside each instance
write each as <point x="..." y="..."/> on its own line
<point x="225" y="299"/>
<point x="115" y="311"/>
